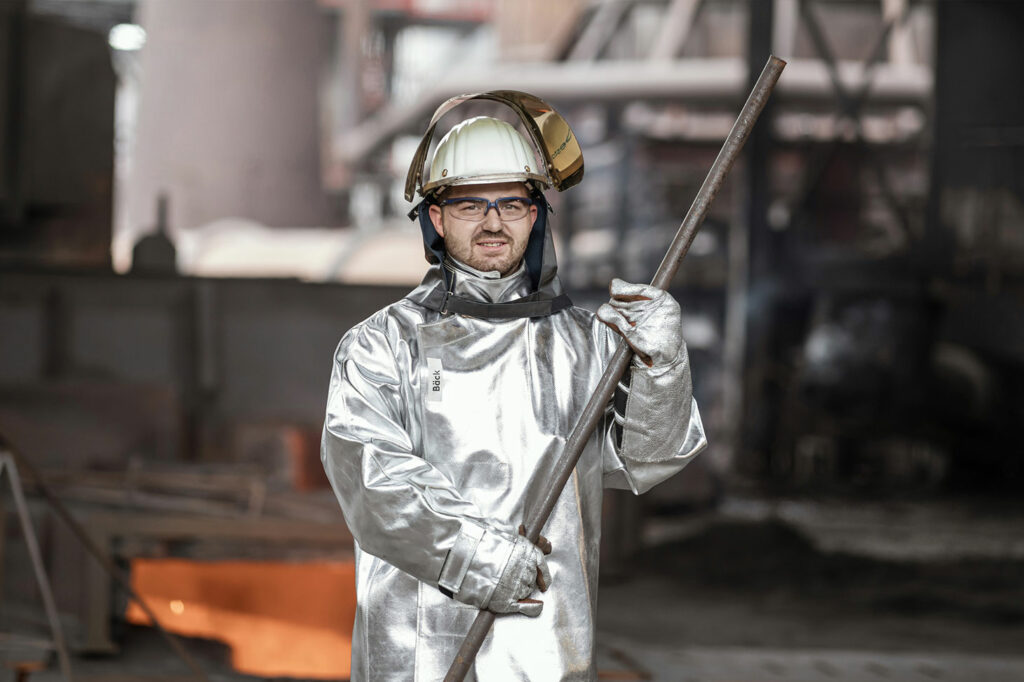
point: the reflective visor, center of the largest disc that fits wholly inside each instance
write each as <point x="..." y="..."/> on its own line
<point x="551" y="134"/>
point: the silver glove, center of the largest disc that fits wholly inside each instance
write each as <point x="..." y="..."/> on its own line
<point x="526" y="570"/>
<point x="648" y="318"/>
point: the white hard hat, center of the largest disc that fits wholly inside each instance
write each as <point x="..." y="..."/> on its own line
<point x="489" y="150"/>
<point x="484" y="150"/>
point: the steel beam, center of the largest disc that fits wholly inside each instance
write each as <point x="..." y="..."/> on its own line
<point x="697" y="81"/>
<point x="675" y="29"/>
<point x="600" y="30"/>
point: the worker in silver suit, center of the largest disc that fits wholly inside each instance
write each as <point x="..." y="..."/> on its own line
<point x="447" y="407"/>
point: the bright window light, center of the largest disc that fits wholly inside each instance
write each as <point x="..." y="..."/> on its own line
<point x="127" y="37"/>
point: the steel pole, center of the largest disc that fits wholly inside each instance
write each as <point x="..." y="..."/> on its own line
<point x="595" y="408"/>
<point x="43" y="581"/>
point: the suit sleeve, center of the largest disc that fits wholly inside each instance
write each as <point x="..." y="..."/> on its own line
<point x="654" y="425"/>
<point x="398" y="506"/>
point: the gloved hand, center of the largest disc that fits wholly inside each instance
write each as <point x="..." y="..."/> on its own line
<point x="525" y="571"/>
<point x="647" y="317"/>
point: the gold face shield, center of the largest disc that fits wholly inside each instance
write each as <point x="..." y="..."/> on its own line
<point x="551" y="134"/>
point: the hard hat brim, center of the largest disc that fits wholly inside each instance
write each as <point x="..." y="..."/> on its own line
<point x="537" y="180"/>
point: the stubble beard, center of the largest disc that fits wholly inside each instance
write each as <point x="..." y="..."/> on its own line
<point x="462" y="251"/>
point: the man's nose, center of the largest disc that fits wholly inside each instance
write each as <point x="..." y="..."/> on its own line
<point x="492" y="220"/>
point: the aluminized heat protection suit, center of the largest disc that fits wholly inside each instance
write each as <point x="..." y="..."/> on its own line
<point x="438" y="428"/>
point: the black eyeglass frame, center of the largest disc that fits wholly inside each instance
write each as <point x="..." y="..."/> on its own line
<point x="496" y="204"/>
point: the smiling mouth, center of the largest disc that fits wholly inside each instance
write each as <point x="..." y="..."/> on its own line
<point x="490" y="245"/>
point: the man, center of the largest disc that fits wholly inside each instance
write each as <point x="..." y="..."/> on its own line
<point x="447" y="408"/>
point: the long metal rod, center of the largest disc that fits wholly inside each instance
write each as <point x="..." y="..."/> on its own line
<point x="99" y="555"/>
<point x="29" y="535"/>
<point x="595" y="408"/>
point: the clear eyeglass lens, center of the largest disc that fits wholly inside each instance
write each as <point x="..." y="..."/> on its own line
<point x="512" y="209"/>
<point x="471" y="208"/>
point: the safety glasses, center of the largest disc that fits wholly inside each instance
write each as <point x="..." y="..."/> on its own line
<point x="476" y="208"/>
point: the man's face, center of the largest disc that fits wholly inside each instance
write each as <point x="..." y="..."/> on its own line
<point x="490" y="243"/>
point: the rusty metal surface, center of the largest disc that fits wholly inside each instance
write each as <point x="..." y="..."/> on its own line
<point x="99" y="555"/>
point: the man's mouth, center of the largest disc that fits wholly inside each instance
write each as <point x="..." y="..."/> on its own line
<point x="491" y="244"/>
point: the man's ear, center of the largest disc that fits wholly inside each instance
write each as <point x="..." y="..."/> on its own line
<point x="435" y="217"/>
<point x="533" y="215"/>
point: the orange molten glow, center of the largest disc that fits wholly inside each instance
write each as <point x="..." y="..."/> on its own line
<point x="280" y="619"/>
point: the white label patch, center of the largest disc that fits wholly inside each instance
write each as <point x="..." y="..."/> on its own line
<point x="435" y="380"/>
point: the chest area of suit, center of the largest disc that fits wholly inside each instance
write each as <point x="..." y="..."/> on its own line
<point x="498" y="398"/>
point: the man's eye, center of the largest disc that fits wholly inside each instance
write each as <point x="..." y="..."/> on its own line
<point x="513" y="204"/>
<point x="467" y="206"/>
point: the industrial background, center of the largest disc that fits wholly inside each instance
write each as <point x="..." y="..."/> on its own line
<point x="199" y="197"/>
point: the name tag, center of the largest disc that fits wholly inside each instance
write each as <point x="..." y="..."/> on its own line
<point x="435" y="380"/>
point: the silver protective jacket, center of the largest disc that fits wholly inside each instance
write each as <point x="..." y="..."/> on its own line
<point x="438" y="428"/>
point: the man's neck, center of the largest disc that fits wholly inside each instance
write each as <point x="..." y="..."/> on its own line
<point x="491" y="274"/>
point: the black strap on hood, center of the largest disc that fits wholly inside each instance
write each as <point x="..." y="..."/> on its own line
<point x="527" y="306"/>
<point x="537" y="304"/>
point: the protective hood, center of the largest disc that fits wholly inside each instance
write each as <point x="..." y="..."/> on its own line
<point x="437" y="291"/>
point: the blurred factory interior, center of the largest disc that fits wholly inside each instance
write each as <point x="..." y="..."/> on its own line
<point x="198" y="198"/>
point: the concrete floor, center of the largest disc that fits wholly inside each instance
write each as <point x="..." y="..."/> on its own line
<point x="825" y="590"/>
<point x="761" y="591"/>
